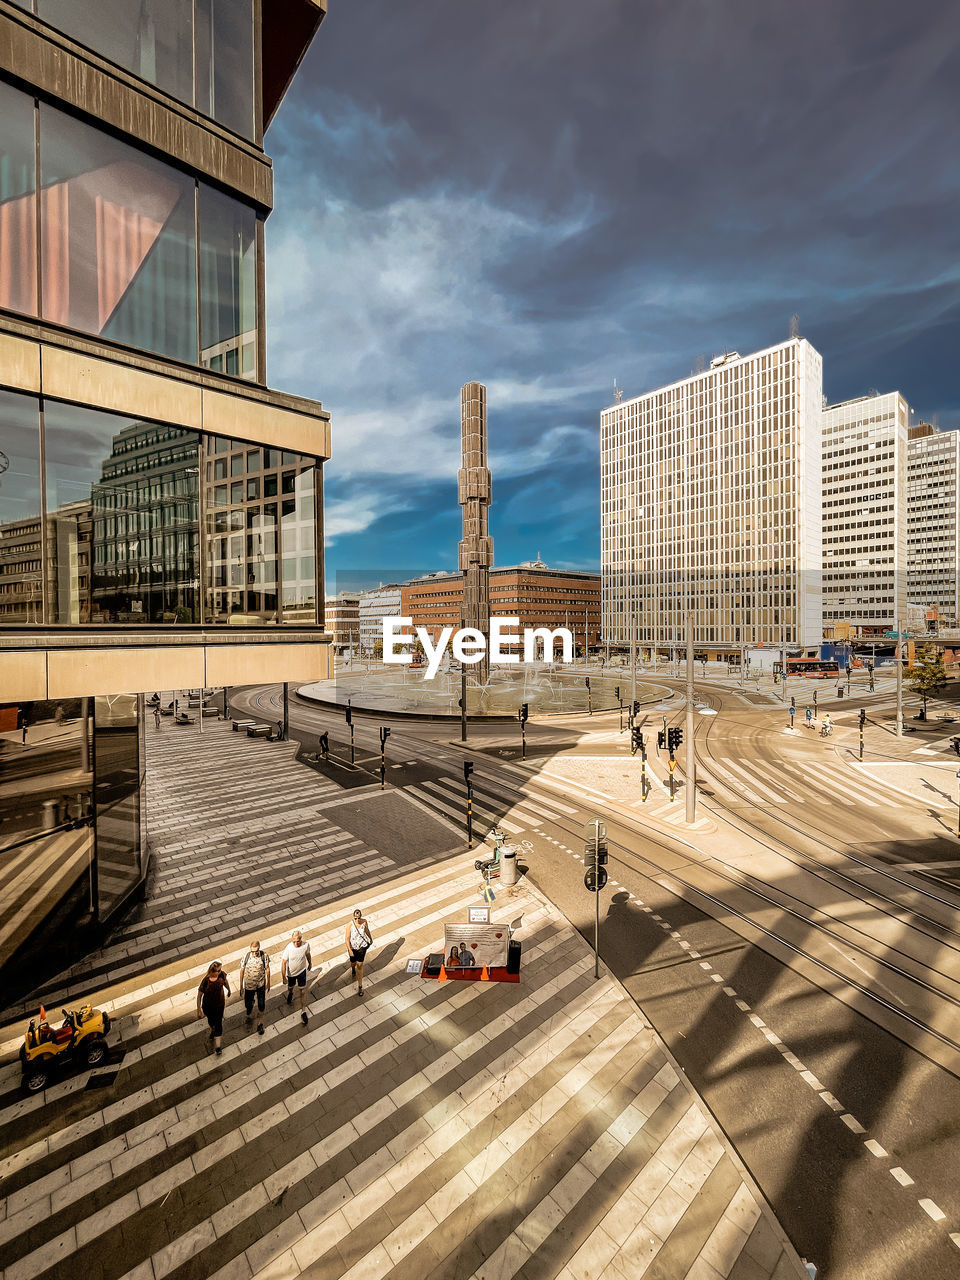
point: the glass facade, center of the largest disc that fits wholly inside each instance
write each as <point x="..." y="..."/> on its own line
<point x="198" y="51"/>
<point x="18" y="202"/>
<point x="113" y="534"/>
<point x="71" y="838"/>
<point x="21" y="554"/>
<point x="228" y="284"/>
<point x="123" y="239"/>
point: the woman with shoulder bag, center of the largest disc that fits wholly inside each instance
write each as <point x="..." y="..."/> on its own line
<point x="358" y="940"/>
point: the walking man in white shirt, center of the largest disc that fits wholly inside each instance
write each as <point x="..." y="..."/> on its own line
<point x="295" y="964"/>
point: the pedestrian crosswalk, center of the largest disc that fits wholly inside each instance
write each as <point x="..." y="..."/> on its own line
<point x="791" y="782"/>
<point x="433" y="1129"/>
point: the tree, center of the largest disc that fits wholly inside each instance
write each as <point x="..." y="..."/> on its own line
<point x="928" y="677"/>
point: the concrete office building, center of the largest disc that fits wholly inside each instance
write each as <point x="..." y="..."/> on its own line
<point x="159" y="506"/>
<point x="341" y="616"/>
<point x="710" y="502"/>
<point x="865" y="515"/>
<point x="933" y="523"/>
<point x="375" y="605"/>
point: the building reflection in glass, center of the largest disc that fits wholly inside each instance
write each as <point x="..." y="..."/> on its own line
<point x="47" y="846"/>
<point x="112" y="535"/>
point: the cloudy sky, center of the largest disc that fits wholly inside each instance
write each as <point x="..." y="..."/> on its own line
<point x="545" y="195"/>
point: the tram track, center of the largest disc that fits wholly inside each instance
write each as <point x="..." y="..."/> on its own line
<point x="922" y="999"/>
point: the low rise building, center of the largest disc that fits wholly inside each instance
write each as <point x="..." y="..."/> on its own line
<point x="375" y="605"/>
<point x="342" y="620"/>
<point x="537" y="595"/>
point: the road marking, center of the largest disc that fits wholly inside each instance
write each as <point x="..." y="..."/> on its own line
<point x="729" y="991"/>
<point x="932" y="1210"/>
<point x="875" y="1148"/>
<point x="901" y="1176"/>
<point x="856" y="1127"/>
<point x="716" y="977"/>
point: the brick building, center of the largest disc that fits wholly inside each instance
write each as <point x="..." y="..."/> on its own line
<point x="538" y="596"/>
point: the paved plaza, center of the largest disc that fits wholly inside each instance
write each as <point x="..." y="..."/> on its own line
<point x="432" y="1129"/>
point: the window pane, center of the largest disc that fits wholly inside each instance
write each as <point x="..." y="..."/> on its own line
<point x="152" y="38"/>
<point x="46" y="836"/>
<point x="300" y="572"/>
<point x="21" y="553"/>
<point x="18" y="202"/>
<point x="228" y="280"/>
<point x="118" y="242"/>
<point x="117" y="794"/>
<point x="241" y="569"/>
<point x="225" y="63"/>
<point x="123" y="518"/>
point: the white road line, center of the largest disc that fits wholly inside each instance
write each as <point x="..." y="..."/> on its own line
<point x="932" y="1210"/>
<point x="875" y="1148"/>
<point x="901" y="1176"/>
<point x="856" y="1127"/>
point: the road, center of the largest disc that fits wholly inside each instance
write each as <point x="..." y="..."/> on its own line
<point x="808" y="988"/>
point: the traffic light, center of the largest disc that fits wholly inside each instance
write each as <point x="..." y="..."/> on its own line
<point x="661" y="739"/>
<point x="636" y="740"/>
<point x="467" y="770"/>
<point x="616" y="693"/>
<point x="348" y="713"/>
<point x="603" y="856"/>
<point x="863" y="717"/>
<point x="523" y="715"/>
<point x="674" y="737"/>
<point x="586" y="681"/>
<point x="636" y="710"/>
<point x="384" y="735"/>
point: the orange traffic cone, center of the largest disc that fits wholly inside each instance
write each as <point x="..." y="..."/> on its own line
<point x="442" y="975"/>
<point x="484" y="974"/>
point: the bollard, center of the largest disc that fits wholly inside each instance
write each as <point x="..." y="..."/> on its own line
<point x="51" y="815"/>
<point x="508" y="865"/>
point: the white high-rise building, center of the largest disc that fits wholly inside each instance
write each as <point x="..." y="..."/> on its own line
<point x="933" y="521"/>
<point x="865" y="514"/>
<point x="710" y="495"/>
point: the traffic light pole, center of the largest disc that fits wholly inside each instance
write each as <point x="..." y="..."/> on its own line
<point x="672" y="764"/>
<point x="349" y="715"/>
<point x="467" y="771"/>
<point x="862" y="719"/>
<point x="691" y="795"/>
<point x="596" y="902"/>
<point x="643" y="774"/>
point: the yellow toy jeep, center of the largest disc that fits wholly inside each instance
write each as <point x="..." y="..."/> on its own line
<point x="81" y="1038"/>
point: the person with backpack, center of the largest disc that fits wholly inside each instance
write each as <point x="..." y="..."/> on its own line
<point x="254" y="982"/>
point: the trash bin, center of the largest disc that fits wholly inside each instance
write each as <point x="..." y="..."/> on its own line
<point x="508" y="864"/>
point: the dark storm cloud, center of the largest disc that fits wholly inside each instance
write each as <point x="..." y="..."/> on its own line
<point x="545" y="195"/>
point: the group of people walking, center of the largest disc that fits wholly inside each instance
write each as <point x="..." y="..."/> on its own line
<point x="253" y="978"/>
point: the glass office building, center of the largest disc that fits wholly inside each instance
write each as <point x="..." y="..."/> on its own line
<point x="160" y="506"/>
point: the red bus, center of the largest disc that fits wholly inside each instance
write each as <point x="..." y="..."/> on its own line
<point x="814" y="668"/>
